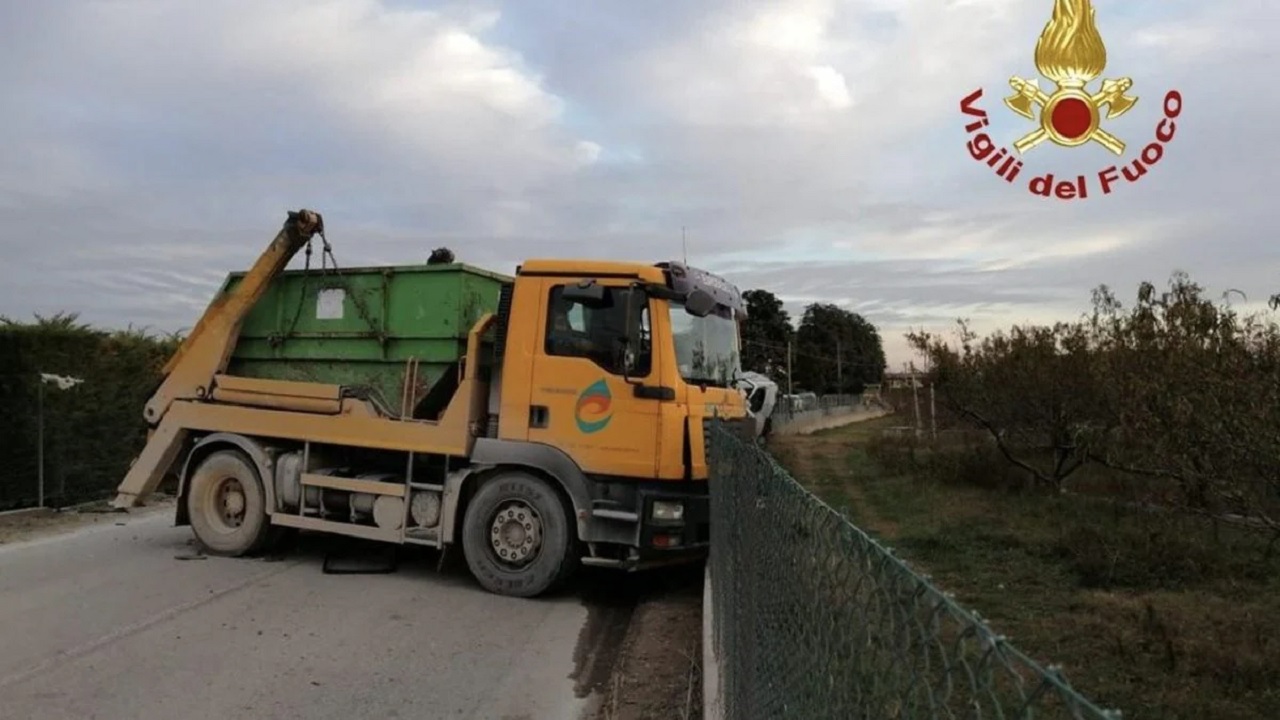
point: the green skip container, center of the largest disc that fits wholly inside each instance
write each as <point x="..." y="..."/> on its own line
<point x="360" y="327"/>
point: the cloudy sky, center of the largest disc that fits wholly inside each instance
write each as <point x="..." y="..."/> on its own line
<point x="813" y="147"/>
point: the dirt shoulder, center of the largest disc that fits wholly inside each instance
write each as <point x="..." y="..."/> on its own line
<point x="657" y="673"/>
<point x="23" y="525"/>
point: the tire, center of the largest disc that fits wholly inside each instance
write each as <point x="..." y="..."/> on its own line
<point x="527" y="502"/>
<point x="212" y="505"/>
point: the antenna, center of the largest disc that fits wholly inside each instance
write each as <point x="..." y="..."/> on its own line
<point x="684" y="244"/>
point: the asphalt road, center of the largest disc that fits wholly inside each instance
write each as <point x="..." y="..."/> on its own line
<point x="105" y="622"/>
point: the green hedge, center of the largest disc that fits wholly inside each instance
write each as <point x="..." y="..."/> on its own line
<point x="91" y="431"/>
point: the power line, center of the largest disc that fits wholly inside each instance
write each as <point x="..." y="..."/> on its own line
<point x="823" y="358"/>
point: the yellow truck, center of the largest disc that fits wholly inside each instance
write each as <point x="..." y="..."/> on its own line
<point x="542" y="421"/>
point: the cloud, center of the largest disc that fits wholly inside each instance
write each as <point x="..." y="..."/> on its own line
<point x="811" y="147"/>
<point x="195" y="146"/>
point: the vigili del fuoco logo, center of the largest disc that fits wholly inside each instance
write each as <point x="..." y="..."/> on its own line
<point x="1071" y="54"/>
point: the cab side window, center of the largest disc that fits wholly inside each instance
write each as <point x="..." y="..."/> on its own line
<point x="599" y="331"/>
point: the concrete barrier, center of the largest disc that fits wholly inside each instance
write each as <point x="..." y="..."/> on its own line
<point x="803" y="423"/>
<point x="712" y="696"/>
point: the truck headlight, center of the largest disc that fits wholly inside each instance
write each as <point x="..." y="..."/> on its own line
<point x="667" y="510"/>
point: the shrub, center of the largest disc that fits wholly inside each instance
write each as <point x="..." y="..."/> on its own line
<point x="956" y="458"/>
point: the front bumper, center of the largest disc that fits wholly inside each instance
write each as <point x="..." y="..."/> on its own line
<point x="693" y="530"/>
<point x="622" y="533"/>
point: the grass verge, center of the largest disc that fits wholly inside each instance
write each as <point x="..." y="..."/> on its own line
<point x="1158" y="614"/>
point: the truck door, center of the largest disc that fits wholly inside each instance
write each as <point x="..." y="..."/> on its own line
<point x="581" y="400"/>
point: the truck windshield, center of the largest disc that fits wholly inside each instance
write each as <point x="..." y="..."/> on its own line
<point x="707" y="349"/>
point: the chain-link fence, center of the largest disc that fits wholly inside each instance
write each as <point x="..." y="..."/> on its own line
<point x="812" y="618"/>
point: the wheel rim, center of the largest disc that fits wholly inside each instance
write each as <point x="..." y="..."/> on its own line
<point x="227" y="511"/>
<point x="515" y="534"/>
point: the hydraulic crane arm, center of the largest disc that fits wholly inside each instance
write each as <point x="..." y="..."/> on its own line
<point x="204" y="353"/>
<point x="190" y="372"/>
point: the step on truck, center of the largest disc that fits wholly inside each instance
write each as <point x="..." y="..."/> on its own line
<point x="542" y="421"/>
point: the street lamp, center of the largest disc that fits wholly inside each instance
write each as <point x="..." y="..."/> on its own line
<point x="62" y="382"/>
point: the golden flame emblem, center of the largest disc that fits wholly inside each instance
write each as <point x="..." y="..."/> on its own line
<point x="1070" y="52"/>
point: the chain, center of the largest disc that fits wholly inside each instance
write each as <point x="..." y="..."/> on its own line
<point x="328" y="265"/>
<point x="302" y="296"/>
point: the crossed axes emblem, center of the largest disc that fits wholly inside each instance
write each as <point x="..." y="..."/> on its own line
<point x="1027" y="94"/>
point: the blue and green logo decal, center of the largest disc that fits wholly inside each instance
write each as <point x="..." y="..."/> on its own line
<point x="595" y="407"/>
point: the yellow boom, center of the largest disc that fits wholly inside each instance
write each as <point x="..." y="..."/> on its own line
<point x="203" y="355"/>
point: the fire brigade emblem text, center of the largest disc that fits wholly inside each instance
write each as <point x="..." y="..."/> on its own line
<point x="1071" y="55"/>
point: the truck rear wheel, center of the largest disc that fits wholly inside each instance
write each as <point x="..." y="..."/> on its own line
<point x="516" y="536"/>
<point x="227" y="506"/>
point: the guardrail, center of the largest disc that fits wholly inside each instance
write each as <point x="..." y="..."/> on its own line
<point x="812" y="618"/>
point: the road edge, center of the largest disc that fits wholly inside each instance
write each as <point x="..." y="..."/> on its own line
<point x="830" y="422"/>
<point x="54" y="525"/>
<point x="712" y="700"/>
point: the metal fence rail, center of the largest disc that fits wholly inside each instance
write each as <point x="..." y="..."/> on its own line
<point x="792" y="412"/>
<point x="789" y="405"/>
<point x="812" y="618"/>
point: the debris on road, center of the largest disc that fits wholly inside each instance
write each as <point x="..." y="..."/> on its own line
<point x="40" y="522"/>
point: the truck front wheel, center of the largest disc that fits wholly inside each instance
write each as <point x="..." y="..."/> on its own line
<point x="516" y="536"/>
<point x="227" y="506"/>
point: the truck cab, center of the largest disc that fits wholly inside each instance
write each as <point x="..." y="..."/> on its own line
<point x="621" y="366"/>
<point x="604" y="359"/>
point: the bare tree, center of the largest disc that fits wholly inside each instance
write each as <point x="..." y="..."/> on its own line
<point x="1177" y="389"/>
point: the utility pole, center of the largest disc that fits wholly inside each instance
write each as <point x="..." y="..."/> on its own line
<point x="915" y="397"/>
<point x="40" y="440"/>
<point x="839" y="369"/>
<point x="789" y="388"/>
<point x="684" y="245"/>
<point x="933" y="413"/>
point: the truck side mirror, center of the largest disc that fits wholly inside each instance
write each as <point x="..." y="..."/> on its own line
<point x="699" y="303"/>
<point x="585" y="292"/>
